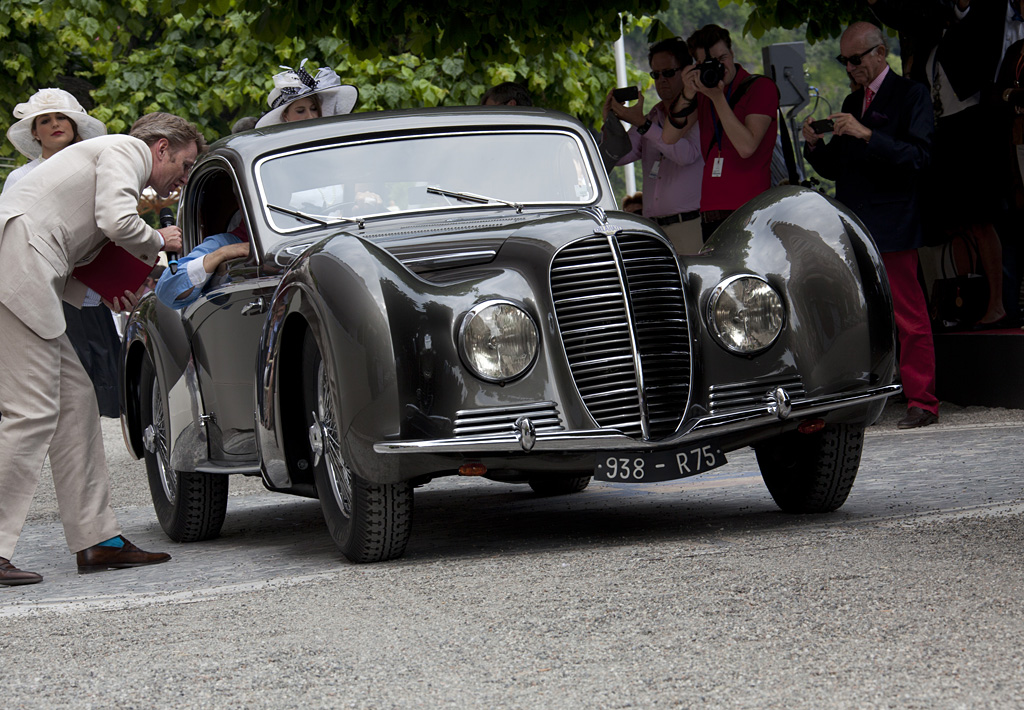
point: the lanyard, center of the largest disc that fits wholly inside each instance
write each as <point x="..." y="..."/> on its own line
<point x="717" y="123"/>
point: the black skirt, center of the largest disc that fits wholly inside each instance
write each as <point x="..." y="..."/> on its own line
<point x="94" y="337"/>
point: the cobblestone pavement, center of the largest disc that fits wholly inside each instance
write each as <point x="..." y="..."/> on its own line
<point x="970" y="463"/>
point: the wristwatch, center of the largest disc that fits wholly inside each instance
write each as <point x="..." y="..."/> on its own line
<point x="644" y="128"/>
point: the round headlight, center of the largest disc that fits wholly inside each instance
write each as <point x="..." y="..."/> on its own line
<point x="745" y="314"/>
<point x="498" y="341"/>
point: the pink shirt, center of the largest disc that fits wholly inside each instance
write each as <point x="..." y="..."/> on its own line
<point x="874" y="86"/>
<point x="680" y="167"/>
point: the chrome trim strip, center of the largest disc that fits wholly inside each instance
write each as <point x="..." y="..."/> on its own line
<point x="444" y="258"/>
<point x="638" y="367"/>
<point x="252" y="469"/>
<point x="589" y="440"/>
<point x="527" y="407"/>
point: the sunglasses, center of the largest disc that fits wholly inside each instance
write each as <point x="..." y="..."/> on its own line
<point x="856" y="58"/>
<point x="667" y="73"/>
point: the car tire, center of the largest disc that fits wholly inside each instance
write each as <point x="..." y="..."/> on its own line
<point x="558" y="485"/>
<point x="812" y="473"/>
<point x="190" y="506"/>
<point x="369" y="522"/>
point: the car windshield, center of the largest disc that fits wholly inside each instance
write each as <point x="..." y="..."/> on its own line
<point x="357" y="181"/>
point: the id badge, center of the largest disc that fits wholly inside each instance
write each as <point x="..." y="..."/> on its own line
<point x="654" y="169"/>
<point x="716" y="167"/>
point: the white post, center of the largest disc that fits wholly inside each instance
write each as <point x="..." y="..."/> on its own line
<point x="620" y="78"/>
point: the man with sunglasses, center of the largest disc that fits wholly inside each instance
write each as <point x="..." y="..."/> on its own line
<point x="737" y="123"/>
<point x="671" y="173"/>
<point x="878" y="155"/>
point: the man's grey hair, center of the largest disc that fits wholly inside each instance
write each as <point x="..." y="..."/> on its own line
<point x="178" y="132"/>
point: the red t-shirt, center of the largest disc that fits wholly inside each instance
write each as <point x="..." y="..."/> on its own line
<point x="741" y="178"/>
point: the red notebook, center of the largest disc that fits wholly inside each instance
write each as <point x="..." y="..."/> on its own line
<point x="113" y="272"/>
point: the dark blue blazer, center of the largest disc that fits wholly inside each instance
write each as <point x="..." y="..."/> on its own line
<point x="880" y="180"/>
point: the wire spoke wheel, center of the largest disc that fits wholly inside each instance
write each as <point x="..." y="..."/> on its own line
<point x="338" y="473"/>
<point x="190" y="506"/>
<point x="368" y="521"/>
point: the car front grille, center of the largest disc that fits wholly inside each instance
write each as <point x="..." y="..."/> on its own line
<point x="758" y="393"/>
<point x="501" y="420"/>
<point x="622" y="318"/>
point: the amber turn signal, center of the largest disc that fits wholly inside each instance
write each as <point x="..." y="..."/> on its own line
<point x="472" y="469"/>
<point x="810" y="426"/>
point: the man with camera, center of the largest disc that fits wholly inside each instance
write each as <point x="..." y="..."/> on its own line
<point x="672" y="173"/>
<point x="736" y="114"/>
<point x="879" y="152"/>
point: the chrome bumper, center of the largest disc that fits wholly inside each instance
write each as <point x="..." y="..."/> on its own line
<point x="523" y="438"/>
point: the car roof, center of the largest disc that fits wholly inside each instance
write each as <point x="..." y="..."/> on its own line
<point x="252" y="144"/>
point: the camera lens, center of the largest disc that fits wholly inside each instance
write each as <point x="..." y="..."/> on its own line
<point x="712" y="72"/>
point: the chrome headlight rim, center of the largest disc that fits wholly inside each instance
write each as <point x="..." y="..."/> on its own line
<point x="713" y="326"/>
<point x="475" y="311"/>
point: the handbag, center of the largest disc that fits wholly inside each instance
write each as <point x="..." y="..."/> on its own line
<point x="958" y="300"/>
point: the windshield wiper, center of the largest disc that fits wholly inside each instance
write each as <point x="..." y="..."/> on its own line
<point x="470" y="197"/>
<point x="316" y="219"/>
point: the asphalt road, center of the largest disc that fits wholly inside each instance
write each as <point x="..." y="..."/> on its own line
<point x="690" y="594"/>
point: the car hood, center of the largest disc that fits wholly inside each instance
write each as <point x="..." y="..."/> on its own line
<point x="448" y="242"/>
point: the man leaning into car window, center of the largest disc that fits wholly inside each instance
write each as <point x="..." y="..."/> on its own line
<point x="183" y="288"/>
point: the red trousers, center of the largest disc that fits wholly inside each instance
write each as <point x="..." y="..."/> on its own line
<point x="917" y="351"/>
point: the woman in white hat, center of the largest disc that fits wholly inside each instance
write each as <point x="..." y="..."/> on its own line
<point x="297" y="95"/>
<point x="52" y="119"/>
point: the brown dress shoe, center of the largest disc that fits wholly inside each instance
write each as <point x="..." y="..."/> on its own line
<point x="917" y="417"/>
<point x="101" y="557"/>
<point x="11" y="575"/>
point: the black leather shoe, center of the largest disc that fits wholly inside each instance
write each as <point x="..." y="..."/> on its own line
<point x="12" y="576"/>
<point x="917" y="417"/>
<point x="100" y="557"/>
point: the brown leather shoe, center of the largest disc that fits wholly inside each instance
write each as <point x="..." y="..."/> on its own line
<point x="12" y="576"/>
<point x="99" y="558"/>
<point x="917" y="417"/>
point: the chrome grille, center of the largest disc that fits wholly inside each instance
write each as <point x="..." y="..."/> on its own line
<point x="621" y="314"/>
<point x="757" y="393"/>
<point x="501" y="420"/>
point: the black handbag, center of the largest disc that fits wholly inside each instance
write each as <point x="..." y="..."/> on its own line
<point x="959" y="300"/>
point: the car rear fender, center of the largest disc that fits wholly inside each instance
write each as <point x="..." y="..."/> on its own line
<point x="156" y="331"/>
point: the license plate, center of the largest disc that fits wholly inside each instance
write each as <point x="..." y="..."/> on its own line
<point x="655" y="466"/>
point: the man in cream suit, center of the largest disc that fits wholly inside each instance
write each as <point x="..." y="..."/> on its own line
<point x="56" y="218"/>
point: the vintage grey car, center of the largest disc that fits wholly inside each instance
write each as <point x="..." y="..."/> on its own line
<point x="452" y="292"/>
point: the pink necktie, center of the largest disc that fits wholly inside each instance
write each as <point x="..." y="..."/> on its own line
<point x="868" y="96"/>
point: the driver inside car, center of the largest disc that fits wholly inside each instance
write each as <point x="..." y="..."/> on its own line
<point x="195" y="271"/>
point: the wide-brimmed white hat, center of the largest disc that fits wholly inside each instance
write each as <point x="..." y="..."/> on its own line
<point x="335" y="98"/>
<point x="50" y="101"/>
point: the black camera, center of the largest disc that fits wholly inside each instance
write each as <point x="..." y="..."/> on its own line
<point x="628" y="93"/>
<point x="824" y="125"/>
<point x="1014" y="97"/>
<point x="712" y="72"/>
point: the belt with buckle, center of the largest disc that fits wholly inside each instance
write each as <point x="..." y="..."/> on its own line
<point x="715" y="215"/>
<point x="673" y="218"/>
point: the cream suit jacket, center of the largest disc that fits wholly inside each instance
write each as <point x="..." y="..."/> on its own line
<point x="60" y="216"/>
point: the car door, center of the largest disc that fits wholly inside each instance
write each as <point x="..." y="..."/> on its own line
<point x="224" y="327"/>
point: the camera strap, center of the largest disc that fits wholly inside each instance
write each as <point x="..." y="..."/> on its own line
<point x="717" y="124"/>
<point x="733" y="100"/>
